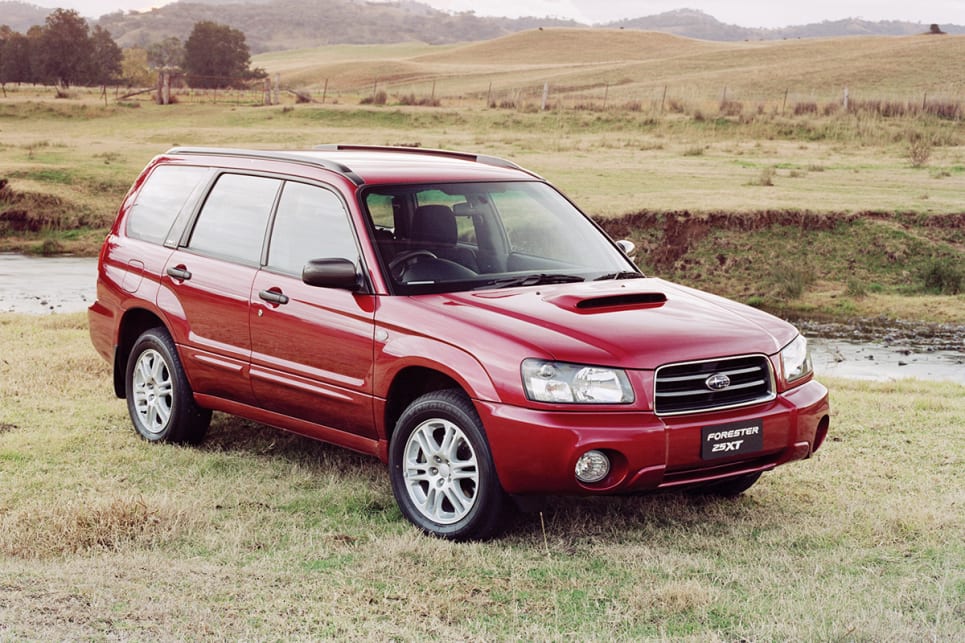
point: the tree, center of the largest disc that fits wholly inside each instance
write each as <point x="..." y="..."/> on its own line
<point x="167" y="53"/>
<point x="105" y="58"/>
<point x="134" y="67"/>
<point x="217" y="56"/>
<point x="65" y="48"/>
<point x="15" y="59"/>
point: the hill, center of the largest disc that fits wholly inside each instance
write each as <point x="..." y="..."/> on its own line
<point x="697" y="24"/>
<point x="274" y="25"/>
<point x="637" y="65"/>
<point x="21" y="16"/>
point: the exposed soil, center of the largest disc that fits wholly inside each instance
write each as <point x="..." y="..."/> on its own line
<point x="681" y="230"/>
<point x="28" y="211"/>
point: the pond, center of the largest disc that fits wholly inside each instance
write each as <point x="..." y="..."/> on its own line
<point x="867" y="349"/>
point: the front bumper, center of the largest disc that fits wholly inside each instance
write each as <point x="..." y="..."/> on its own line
<point x="535" y="451"/>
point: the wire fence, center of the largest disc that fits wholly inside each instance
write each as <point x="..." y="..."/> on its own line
<point x="691" y="100"/>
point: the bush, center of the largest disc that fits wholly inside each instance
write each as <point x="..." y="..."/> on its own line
<point x="791" y="280"/>
<point x="424" y="101"/>
<point x="731" y="107"/>
<point x="378" y="98"/>
<point x="943" y="277"/>
<point x="919" y="150"/>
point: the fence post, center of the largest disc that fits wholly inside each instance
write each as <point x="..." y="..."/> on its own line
<point x="325" y="91"/>
<point x="784" y="104"/>
<point x="664" y="99"/>
<point x="489" y="96"/>
<point x="266" y="94"/>
<point x="277" y="101"/>
<point x="606" y="93"/>
<point x="546" y="94"/>
<point x="845" y="99"/>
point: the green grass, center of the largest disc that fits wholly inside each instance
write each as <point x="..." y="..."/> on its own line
<point x="256" y="534"/>
<point x="69" y="163"/>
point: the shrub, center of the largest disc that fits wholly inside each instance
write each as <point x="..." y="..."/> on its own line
<point x="766" y="178"/>
<point x="809" y="107"/>
<point x="945" y="109"/>
<point x="943" y="277"/>
<point x="791" y="280"/>
<point x="731" y="107"/>
<point x="424" y="101"/>
<point x="856" y="288"/>
<point x="378" y="98"/>
<point x="919" y="150"/>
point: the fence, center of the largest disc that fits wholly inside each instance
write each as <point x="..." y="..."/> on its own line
<point x="691" y="100"/>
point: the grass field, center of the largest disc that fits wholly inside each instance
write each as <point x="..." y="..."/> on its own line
<point x="733" y="166"/>
<point x="256" y="534"/>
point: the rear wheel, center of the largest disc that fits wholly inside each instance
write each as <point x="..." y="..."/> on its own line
<point x="442" y="471"/>
<point x="159" y="398"/>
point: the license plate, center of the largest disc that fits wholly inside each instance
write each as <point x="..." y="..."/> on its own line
<point x="738" y="438"/>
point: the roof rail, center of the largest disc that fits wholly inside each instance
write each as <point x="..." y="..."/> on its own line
<point x="466" y="156"/>
<point x="292" y="156"/>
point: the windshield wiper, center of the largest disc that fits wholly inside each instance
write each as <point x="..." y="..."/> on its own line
<point x="534" y="279"/>
<point x="626" y="274"/>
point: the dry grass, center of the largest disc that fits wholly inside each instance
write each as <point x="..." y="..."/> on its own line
<point x="638" y="65"/>
<point x="260" y="535"/>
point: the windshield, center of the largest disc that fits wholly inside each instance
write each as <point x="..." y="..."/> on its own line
<point x="464" y="236"/>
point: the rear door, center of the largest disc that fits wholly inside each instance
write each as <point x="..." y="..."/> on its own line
<point x="208" y="284"/>
<point x="312" y="347"/>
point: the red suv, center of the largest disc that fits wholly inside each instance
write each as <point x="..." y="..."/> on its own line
<point x="451" y="314"/>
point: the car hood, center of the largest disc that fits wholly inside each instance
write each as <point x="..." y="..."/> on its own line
<point x="635" y="323"/>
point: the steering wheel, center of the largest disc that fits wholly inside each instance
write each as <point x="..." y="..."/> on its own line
<point x="406" y="257"/>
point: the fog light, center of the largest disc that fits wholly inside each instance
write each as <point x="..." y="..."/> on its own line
<point x="592" y="466"/>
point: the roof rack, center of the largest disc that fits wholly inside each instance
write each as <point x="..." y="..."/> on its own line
<point x="465" y="156"/>
<point x="293" y="156"/>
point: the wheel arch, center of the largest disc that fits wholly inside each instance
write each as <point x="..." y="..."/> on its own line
<point x="134" y="322"/>
<point x="410" y="383"/>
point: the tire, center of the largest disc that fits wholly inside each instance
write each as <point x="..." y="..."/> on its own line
<point x="730" y="487"/>
<point x="159" y="399"/>
<point x="442" y="471"/>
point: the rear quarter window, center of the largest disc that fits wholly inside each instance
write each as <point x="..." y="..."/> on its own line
<point x="160" y="200"/>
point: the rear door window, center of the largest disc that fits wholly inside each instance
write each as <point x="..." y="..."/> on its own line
<point x="234" y="218"/>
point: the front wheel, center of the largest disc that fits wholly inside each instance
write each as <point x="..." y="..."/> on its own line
<point x="442" y="471"/>
<point x="159" y="398"/>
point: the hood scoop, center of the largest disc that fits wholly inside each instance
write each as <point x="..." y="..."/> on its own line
<point x="604" y="303"/>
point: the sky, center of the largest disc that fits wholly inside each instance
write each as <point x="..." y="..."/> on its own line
<point x="746" y="13"/>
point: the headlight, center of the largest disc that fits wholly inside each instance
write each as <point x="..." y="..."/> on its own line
<point x="562" y="383"/>
<point x="796" y="360"/>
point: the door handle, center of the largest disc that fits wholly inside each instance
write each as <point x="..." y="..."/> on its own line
<point x="180" y="273"/>
<point x="274" y="297"/>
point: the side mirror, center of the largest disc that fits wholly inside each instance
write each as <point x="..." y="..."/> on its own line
<point x="627" y="247"/>
<point x="331" y="273"/>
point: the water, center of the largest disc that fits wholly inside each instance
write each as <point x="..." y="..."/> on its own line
<point x="868" y="349"/>
<point x="42" y="285"/>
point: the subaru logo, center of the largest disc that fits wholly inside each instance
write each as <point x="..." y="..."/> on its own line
<point x="717" y="382"/>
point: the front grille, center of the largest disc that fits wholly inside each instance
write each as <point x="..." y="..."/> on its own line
<point x="682" y="388"/>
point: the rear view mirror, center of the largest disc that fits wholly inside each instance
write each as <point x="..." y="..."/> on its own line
<point x="331" y="273"/>
<point x="627" y="247"/>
